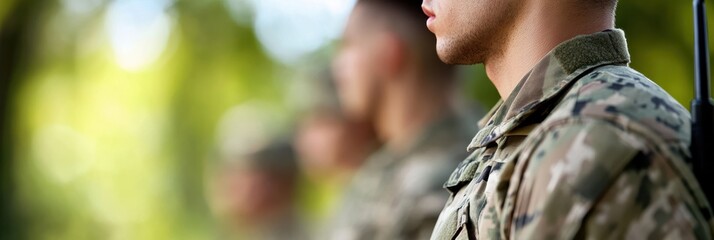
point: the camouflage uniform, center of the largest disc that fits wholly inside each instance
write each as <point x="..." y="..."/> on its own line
<point x="399" y="196"/>
<point x="584" y="147"/>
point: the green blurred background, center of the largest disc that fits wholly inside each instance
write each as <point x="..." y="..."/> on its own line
<point x="110" y="107"/>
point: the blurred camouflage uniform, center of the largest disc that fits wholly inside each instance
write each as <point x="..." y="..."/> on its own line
<point x="584" y="147"/>
<point x="400" y="196"/>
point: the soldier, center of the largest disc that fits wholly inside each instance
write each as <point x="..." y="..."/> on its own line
<point x="254" y="194"/>
<point x="581" y="145"/>
<point x="331" y="146"/>
<point x="388" y="73"/>
<point x="253" y="182"/>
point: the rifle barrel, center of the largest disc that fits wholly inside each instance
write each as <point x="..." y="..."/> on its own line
<point x="702" y="147"/>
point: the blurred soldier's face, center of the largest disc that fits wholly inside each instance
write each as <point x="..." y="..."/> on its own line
<point x="331" y="147"/>
<point x="357" y="67"/>
<point x="468" y="30"/>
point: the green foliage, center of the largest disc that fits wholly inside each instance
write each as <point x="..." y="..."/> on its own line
<point x="5" y="8"/>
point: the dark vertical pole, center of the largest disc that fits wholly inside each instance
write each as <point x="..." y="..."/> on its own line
<point x="702" y="109"/>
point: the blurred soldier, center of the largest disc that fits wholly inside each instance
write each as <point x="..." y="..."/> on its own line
<point x="581" y="146"/>
<point x="388" y="73"/>
<point x="331" y="146"/>
<point x="254" y="194"/>
<point x="253" y="185"/>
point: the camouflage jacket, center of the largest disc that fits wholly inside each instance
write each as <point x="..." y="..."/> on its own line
<point x="399" y="196"/>
<point x="584" y="148"/>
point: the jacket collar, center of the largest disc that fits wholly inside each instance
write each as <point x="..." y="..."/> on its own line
<point x="551" y="76"/>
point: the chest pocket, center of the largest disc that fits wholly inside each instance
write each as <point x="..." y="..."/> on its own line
<point x="465" y="230"/>
<point x="483" y="183"/>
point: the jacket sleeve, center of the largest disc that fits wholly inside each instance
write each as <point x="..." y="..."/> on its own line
<point x="593" y="180"/>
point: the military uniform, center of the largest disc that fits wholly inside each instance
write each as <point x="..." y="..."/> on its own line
<point x="399" y="196"/>
<point x="584" y="147"/>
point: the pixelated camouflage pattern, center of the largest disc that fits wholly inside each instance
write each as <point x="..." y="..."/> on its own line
<point x="584" y="148"/>
<point x="400" y="196"/>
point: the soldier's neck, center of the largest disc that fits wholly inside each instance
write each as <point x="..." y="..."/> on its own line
<point x="540" y="29"/>
<point x="407" y="110"/>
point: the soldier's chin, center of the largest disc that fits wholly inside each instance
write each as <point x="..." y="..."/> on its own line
<point x="451" y="53"/>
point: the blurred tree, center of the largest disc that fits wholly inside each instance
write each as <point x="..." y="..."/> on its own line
<point x="14" y="22"/>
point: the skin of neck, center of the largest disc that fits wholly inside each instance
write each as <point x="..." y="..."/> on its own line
<point x="409" y="106"/>
<point x="540" y="27"/>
